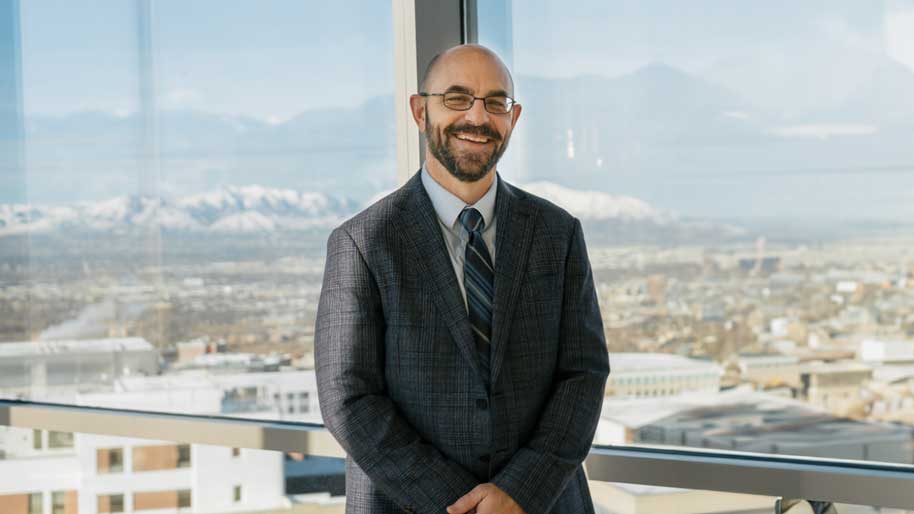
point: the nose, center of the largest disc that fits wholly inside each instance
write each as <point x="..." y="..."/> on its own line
<point x="477" y="115"/>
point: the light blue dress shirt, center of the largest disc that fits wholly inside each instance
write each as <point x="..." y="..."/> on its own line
<point x="448" y="207"/>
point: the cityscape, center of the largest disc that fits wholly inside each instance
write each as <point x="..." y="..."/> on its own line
<point x="743" y="175"/>
<point x="744" y="343"/>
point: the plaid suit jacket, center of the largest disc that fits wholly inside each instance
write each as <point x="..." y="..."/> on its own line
<point x="397" y="373"/>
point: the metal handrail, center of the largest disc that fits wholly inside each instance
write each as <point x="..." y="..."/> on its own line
<point x="855" y="482"/>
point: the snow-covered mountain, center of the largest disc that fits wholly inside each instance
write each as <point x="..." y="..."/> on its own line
<point x="624" y="219"/>
<point x="256" y="209"/>
<point x="248" y="209"/>
<point x="596" y="205"/>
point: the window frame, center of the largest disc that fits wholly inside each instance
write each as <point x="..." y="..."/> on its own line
<point x="421" y="30"/>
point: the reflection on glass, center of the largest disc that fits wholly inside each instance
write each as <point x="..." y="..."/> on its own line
<point x="742" y="172"/>
<point x="181" y="263"/>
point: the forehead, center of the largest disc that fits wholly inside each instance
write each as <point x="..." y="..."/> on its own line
<point x="476" y="71"/>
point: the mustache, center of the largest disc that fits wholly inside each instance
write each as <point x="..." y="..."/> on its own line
<point x="475" y="130"/>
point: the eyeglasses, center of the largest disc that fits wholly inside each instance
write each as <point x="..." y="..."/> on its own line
<point x="497" y="104"/>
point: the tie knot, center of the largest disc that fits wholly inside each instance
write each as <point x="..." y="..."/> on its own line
<point x="472" y="220"/>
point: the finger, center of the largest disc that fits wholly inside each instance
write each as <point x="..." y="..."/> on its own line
<point x="466" y="502"/>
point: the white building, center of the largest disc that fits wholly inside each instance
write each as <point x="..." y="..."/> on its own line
<point x="834" y="385"/>
<point x="770" y="369"/>
<point x="94" y="474"/>
<point x="876" y="350"/>
<point x="658" y="374"/>
<point x="34" y="367"/>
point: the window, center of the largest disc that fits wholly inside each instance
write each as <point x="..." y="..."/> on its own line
<point x="236" y="493"/>
<point x="36" y="439"/>
<point x="110" y="460"/>
<point x="764" y="150"/>
<point x="36" y="505"/>
<point x="199" y="145"/>
<point x="110" y="503"/>
<point x="159" y="500"/>
<point x="60" y="439"/>
<point x="236" y="452"/>
<point x="58" y="502"/>
<point x="161" y="457"/>
<point x="184" y="499"/>
<point x="184" y="456"/>
<point x="304" y="402"/>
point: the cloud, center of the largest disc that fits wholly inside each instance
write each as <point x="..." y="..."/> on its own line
<point x="825" y="130"/>
<point x="180" y="97"/>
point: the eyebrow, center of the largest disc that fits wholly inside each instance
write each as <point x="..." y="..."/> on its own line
<point x="463" y="89"/>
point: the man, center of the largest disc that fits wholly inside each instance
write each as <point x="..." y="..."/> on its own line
<point x="460" y="354"/>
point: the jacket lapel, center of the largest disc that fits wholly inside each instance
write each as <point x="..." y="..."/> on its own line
<point x="514" y="233"/>
<point x="422" y="237"/>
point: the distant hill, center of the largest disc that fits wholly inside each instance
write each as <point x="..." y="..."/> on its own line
<point x="715" y="145"/>
<point x="254" y="209"/>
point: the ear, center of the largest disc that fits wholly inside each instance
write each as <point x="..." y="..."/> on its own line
<point x="515" y="114"/>
<point x="417" y="105"/>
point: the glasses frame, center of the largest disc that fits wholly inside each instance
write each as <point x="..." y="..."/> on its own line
<point x="510" y="101"/>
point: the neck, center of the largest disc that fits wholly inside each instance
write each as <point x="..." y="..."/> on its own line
<point x="469" y="192"/>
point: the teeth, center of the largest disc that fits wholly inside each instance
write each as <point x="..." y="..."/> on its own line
<point x="474" y="139"/>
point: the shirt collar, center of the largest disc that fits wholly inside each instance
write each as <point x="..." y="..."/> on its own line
<point x="448" y="206"/>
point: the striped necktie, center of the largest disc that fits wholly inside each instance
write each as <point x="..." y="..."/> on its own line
<point x="479" y="282"/>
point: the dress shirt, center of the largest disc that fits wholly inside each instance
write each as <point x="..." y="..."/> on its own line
<point x="448" y="207"/>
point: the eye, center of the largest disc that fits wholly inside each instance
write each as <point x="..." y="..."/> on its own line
<point x="498" y="102"/>
<point x="457" y="99"/>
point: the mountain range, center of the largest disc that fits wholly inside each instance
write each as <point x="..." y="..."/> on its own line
<point x="253" y="210"/>
<point x="702" y="145"/>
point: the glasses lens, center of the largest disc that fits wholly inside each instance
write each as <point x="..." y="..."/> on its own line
<point x="458" y="101"/>
<point x="498" y="104"/>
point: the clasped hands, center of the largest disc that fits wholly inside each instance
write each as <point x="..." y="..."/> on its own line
<point x="485" y="499"/>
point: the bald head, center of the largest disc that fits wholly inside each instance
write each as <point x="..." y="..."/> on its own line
<point x="458" y="56"/>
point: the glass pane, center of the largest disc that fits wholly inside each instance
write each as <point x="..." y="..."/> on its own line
<point x="176" y="187"/>
<point x="59" y="502"/>
<point x="35" y="504"/>
<point x="60" y="439"/>
<point x="743" y="173"/>
<point x="254" y="481"/>
<point x="184" y="498"/>
<point x="621" y="498"/>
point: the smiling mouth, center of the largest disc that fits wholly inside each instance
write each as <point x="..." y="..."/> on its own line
<point x="472" y="139"/>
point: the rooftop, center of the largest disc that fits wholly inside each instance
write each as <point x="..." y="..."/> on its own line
<point x="110" y="345"/>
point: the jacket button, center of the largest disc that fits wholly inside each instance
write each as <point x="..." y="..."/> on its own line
<point x="484" y="458"/>
<point x="482" y="404"/>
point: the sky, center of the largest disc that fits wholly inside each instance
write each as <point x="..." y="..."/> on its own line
<point x="276" y="58"/>
<point x="830" y="44"/>
<point x="270" y="60"/>
<point x="273" y="60"/>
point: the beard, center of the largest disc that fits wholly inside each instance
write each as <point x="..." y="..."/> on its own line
<point x="464" y="166"/>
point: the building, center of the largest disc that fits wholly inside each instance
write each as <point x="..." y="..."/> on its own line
<point x="745" y="420"/>
<point x="33" y="367"/>
<point x="641" y="375"/>
<point x="833" y="385"/>
<point x="621" y="498"/>
<point x="886" y="351"/>
<point x="95" y="474"/>
<point x="769" y="370"/>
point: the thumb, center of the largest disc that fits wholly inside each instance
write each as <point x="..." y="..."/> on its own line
<point x="467" y="501"/>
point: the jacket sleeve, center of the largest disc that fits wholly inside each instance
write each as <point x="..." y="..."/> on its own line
<point x="349" y="355"/>
<point x="537" y="473"/>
